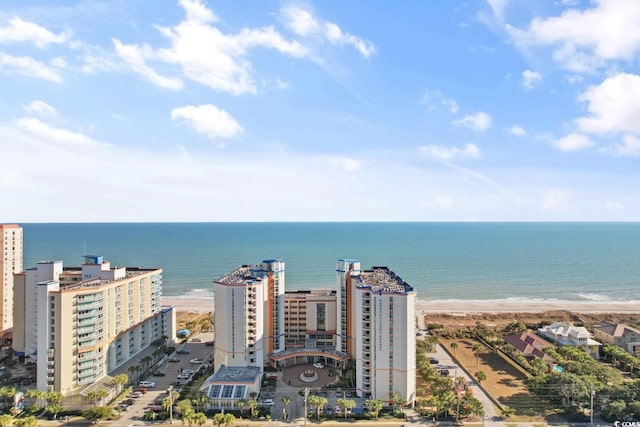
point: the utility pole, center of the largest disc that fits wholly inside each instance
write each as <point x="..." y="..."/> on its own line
<point x="593" y="393"/>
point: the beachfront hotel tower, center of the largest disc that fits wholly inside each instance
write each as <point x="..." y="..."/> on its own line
<point x="344" y="300"/>
<point x="249" y="315"/>
<point x="10" y="263"/>
<point x="381" y="322"/>
<point x="77" y="324"/>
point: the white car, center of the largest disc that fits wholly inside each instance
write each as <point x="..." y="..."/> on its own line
<point x="184" y="376"/>
<point x="267" y="402"/>
<point x="197" y="361"/>
<point x="147" y="384"/>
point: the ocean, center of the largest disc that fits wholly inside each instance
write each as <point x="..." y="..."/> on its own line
<point x="442" y="261"/>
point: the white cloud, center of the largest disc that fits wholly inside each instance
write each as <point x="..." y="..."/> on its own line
<point x="613" y="105"/>
<point x="299" y="20"/>
<point x="573" y="142"/>
<point x="530" y="79"/>
<point x="555" y="200"/>
<point x="498" y="7"/>
<point x="447" y="154"/>
<point x="43" y="131"/>
<point x="345" y="164"/>
<point x="587" y="38"/>
<point x="134" y="57"/>
<point x="336" y="36"/>
<point x="40" y="107"/>
<point x="479" y="121"/>
<point x="450" y="104"/>
<point x="208" y="120"/>
<point x="516" y="130"/>
<point x="214" y="59"/>
<point x="630" y="147"/>
<point x="303" y="23"/>
<point x="27" y="66"/>
<point x="23" y="31"/>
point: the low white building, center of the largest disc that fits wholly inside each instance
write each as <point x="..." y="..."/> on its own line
<point x="568" y="334"/>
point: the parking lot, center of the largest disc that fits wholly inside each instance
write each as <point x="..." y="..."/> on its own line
<point x="174" y="372"/>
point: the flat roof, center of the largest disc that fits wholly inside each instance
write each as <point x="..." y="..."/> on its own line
<point x="383" y="279"/>
<point x="235" y="374"/>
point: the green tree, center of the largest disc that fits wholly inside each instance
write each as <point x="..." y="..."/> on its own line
<point x="345" y="405"/>
<point x="229" y="419"/>
<point x="374" y="406"/>
<point x="454" y="347"/>
<point x="253" y="407"/>
<point x="119" y="381"/>
<point x="318" y="402"/>
<point x="242" y="403"/>
<point x="30" y="421"/>
<point x="7" y="393"/>
<point x="286" y="401"/>
<point x="199" y="418"/>
<point x="480" y="376"/>
<point x="218" y="419"/>
<point x="98" y="413"/>
<point x="5" y="420"/>
<point x="477" y="351"/>
<point x="146" y="361"/>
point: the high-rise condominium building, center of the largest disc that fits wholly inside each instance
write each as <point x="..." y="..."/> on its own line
<point x="80" y="323"/>
<point x="382" y="334"/>
<point x="249" y="315"/>
<point x="368" y="322"/>
<point x="10" y="263"/>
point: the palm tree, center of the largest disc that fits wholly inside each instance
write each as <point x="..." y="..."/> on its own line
<point x="218" y="419"/>
<point x="318" y="402"/>
<point x="119" y="381"/>
<point x="345" y="405"/>
<point x="481" y="376"/>
<point x="229" y="419"/>
<point x="199" y="397"/>
<point x="454" y="347"/>
<point x="241" y="405"/>
<point x="134" y="369"/>
<point x="477" y="349"/>
<point x="30" y="421"/>
<point x="286" y="400"/>
<point x="253" y="406"/>
<point x="145" y="362"/>
<point x="7" y="392"/>
<point x="374" y="406"/>
<point x="199" y="418"/>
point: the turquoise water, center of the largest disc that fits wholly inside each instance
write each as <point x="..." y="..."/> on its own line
<point x="565" y="261"/>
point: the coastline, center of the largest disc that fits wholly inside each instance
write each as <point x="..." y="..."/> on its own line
<point x="462" y="307"/>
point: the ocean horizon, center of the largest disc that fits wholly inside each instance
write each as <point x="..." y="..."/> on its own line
<point x="461" y="261"/>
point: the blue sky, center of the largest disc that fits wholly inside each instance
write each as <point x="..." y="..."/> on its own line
<point x="203" y="110"/>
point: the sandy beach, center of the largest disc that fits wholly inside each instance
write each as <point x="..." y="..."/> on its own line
<point x="461" y="307"/>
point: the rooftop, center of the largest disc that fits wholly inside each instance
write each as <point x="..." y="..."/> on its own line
<point x="234" y="374"/>
<point x="381" y="279"/>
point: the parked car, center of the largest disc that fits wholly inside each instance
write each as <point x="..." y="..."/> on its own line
<point x="174" y="360"/>
<point x="209" y="343"/>
<point x="184" y="376"/>
<point x="444" y="373"/>
<point x="183" y="351"/>
<point x="267" y="402"/>
<point x="433" y="361"/>
<point x="196" y="340"/>
<point x="135" y="394"/>
<point x="149" y="384"/>
<point x="196" y="361"/>
<point x="159" y="374"/>
<point x="142" y="390"/>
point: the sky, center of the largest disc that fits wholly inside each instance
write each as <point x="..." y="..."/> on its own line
<point x="206" y="110"/>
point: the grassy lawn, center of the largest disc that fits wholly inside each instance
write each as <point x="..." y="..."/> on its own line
<point x="504" y="382"/>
